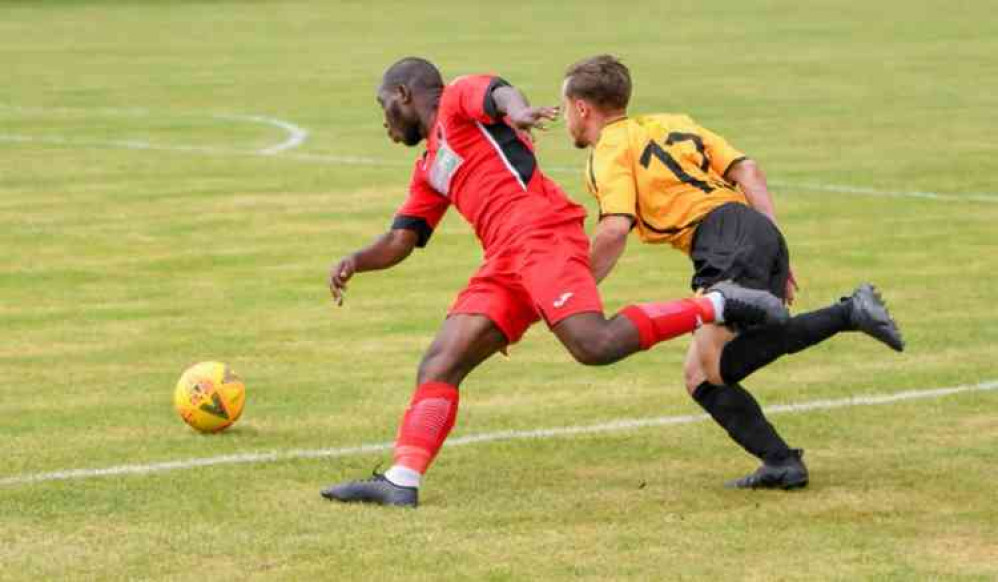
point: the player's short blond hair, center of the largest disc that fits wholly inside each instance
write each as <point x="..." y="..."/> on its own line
<point x="602" y="80"/>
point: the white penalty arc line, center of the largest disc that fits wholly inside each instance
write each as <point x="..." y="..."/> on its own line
<point x="511" y="435"/>
<point x="296" y="135"/>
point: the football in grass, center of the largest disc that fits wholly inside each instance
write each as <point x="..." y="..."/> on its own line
<point x="209" y="397"/>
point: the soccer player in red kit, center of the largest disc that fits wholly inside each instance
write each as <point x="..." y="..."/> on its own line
<point x="536" y="264"/>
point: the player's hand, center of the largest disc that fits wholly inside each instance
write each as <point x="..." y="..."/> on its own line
<point x="792" y="288"/>
<point x="338" y="277"/>
<point x="530" y="118"/>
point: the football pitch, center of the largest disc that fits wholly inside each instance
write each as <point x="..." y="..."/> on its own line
<point x="176" y="178"/>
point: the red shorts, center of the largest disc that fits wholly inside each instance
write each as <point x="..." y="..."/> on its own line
<point x="546" y="274"/>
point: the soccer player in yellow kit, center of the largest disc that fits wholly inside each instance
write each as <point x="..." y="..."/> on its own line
<point x="675" y="182"/>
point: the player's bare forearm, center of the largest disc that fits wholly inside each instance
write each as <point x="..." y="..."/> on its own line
<point x="609" y="242"/>
<point x="513" y="105"/>
<point x="750" y="177"/>
<point x="386" y="251"/>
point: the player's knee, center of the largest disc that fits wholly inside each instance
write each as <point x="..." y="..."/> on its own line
<point x="438" y="365"/>
<point x="693" y="374"/>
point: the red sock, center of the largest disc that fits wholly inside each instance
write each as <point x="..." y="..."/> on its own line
<point x="664" y="320"/>
<point x="426" y="424"/>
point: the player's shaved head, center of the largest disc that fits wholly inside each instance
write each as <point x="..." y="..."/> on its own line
<point x="413" y="72"/>
<point x="602" y="80"/>
<point x="409" y="94"/>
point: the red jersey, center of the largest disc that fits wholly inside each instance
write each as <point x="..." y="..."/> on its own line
<point x="483" y="166"/>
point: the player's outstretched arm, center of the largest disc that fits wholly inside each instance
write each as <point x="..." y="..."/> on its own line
<point x="513" y="105"/>
<point x="386" y="251"/>
<point x="609" y="242"/>
<point x="750" y="177"/>
<point x="752" y="180"/>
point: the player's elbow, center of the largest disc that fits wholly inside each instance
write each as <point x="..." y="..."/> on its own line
<point x="746" y="171"/>
<point x="615" y="228"/>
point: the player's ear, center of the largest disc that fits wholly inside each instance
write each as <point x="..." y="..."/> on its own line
<point x="404" y="94"/>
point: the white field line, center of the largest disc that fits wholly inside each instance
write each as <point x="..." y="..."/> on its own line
<point x="298" y="135"/>
<point x="973" y="196"/>
<point x="204" y="150"/>
<point x="296" y="139"/>
<point x="295" y="134"/>
<point x="844" y="189"/>
<point x="511" y="435"/>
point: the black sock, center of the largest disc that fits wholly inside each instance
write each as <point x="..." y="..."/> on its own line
<point x="738" y="413"/>
<point x="759" y="347"/>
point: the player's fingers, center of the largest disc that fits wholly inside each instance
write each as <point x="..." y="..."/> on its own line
<point x="548" y="113"/>
<point x="338" y="292"/>
<point x="337" y="284"/>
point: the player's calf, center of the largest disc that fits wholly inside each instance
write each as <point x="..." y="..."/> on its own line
<point x="863" y="311"/>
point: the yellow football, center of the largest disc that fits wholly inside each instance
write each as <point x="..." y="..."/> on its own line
<point x="209" y="396"/>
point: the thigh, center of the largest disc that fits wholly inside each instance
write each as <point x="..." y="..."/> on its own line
<point x="740" y="244"/>
<point x="555" y="273"/>
<point x="462" y="343"/>
<point x="496" y="293"/>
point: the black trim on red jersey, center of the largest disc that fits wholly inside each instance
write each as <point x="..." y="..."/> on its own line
<point x="519" y="156"/>
<point x="416" y="224"/>
<point x="489" y="107"/>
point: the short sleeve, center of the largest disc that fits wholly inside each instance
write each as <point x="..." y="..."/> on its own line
<point x="610" y="176"/>
<point x="474" y="98"/>
<point x="422" y="209"/>
<point x="722" y="155"/>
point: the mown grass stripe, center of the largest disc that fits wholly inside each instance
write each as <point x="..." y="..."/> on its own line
<point x="541" y="433"/>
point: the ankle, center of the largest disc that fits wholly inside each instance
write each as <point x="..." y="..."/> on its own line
<point x="403" y="476"/>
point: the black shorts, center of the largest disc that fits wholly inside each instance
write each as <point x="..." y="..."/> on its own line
<point x="741" y="244"/>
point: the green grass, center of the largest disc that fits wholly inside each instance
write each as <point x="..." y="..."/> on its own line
<point x="120" y="267"/>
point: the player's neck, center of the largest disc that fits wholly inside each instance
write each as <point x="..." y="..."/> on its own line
<point x="427" y="111"/>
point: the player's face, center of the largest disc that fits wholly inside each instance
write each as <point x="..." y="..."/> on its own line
<point x="401" y="119"/>
<point x="574" y="121"/>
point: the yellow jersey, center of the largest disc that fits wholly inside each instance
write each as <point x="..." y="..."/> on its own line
<point x="665" y="172"/>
